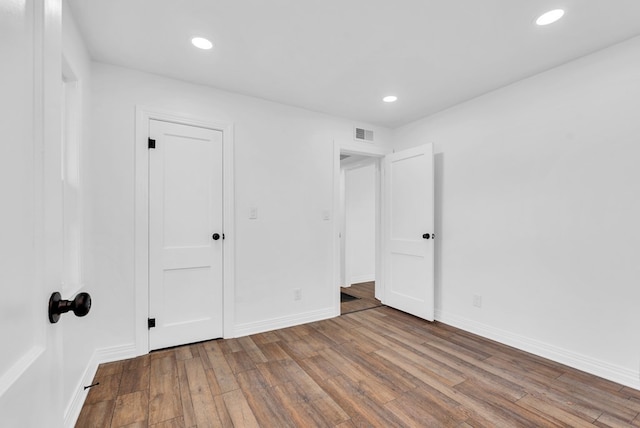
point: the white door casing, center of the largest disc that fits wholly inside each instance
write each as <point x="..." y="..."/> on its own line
<point x="185" y="211"/>
<point x="373" y="152"/>
<point x="409" y="228"/>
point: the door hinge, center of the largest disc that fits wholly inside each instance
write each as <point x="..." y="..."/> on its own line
<point x="151" y="322"/>
<point x="152" y="143"/>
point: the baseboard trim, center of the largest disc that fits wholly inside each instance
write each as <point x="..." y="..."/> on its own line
<point x="100" y="356"/>
<point x="362" y="278"/>
<point x="612" y="372"/>
<point x="283" y="322"/>
<point x="16" y="371"/>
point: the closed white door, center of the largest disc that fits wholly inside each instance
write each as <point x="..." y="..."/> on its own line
<point x="409" y="231"/>
<point x="185" y="234"/>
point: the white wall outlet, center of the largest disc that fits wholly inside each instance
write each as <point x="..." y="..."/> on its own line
<point x="297" y="294"/>
<point x="253" y="213"/>
<point x="477" y="301"/>
<point x="326" y="215"/>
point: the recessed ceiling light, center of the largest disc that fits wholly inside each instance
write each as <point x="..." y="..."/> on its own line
<point x="550" y="17"/>
<point x="202" y="43"/>
<point x="390" y="99"/>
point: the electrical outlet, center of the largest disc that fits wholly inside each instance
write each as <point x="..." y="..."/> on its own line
<point x="297" y="294"/>
<point x="253" y="213"/>
<point x="477" y="301"/>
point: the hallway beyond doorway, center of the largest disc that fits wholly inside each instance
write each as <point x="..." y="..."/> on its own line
<point x="365" y="294"/>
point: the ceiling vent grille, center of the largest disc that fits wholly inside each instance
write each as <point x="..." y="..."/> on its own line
<point x="362" y="134"/>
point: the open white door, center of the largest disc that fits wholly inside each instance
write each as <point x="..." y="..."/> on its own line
<point x="409" y="247"/>
<point x="185" y="234"/>
<point x="31" y="373"/>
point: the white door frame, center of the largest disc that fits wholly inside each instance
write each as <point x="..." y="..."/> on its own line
<point x="363" y="149"/>
<point x="141" y="260"/>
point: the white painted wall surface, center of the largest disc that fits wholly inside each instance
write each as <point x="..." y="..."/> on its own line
<point x="283" y="167"/>
<point x="360" y="230"/>
<point x="537" y="211"/>
<point x="80" y="335"/>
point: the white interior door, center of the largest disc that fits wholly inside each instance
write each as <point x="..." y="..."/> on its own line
<point x="409" y="247"/>
<point x="185" y="234"/>
<point x="31" y="376"/>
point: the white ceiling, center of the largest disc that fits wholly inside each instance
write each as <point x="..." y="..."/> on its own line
<point x="342" y="56"/>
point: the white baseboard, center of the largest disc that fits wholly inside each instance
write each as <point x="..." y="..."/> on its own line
<point x="362" y="278"/>
<point x="15" y="372"/>
<point x="100" y="356"/>
<point x="621" y="375"/>
<point x="283" y="322"/>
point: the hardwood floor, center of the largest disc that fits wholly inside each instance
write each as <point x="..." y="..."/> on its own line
<point x="377" y="367"/>
<point x="365" y="292"/>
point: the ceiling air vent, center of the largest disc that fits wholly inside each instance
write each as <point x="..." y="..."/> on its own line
<point x="362" y="134"/>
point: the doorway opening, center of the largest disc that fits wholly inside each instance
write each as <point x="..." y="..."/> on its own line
<point x="359" y="232"/>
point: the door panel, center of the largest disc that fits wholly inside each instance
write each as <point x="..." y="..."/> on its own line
<point x="409" y="215"/>
<point x="185" y="210"/>
<point x="30" y="249"/>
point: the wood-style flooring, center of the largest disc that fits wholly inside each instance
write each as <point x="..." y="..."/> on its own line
<point x="365" y="292"/>
<point x="377" y="367"/>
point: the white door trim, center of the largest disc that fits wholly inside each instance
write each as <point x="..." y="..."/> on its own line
<point x="141" y="226"/>
<point x="374" y="152"/>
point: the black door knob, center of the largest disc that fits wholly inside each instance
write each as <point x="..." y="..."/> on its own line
<point x="216" y="236"/>
<point x="426" y="236"/>
<point x="80" y="306"/>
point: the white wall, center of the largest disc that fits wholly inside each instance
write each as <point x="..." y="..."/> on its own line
<point x="360" y="227"/>
<point x="283" y="166"/>
<point x="537" y="190"/>
<point x="79" y="333"/>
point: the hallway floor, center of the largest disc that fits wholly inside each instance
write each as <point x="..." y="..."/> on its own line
<point x="365" y="292"/>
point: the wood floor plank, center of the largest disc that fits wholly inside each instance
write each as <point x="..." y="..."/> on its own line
<point x="164" y="398"/>
<point x="172" y="423"/>
<point x="130" y="409"/>
<point x="300" y="411"/>
<point x="362" y="409"/>
<point x="378" y="367"/>
<point x="239" y="361"/>
<point x="184" y="352"/>
<point x="252" y="350"/>
<point x="204" y="407"/>
<point x="134" y="363"/>
<point x="223" y="373"/>
<point x="239" y="410"/>
<point x="416" y="414"/>
<point x="110" y="369"/>
<point x="378" y="391"/>
<point x="106" y="390"/>
<point x="274" y="372"/>
<point x="223" y="413"/>
<point x="609" y="421"/>
<point x="264" y="338"/>
<point x="165" y="366"/>
<point x="133" y="380"/>
<point x="495" y="406"/>
<point x="188" y="414"/>
<point x="559" y="415"/>
<point x="96" y="415"/>
<point x="273" y="351"/>
<point x="267" y="408"/>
